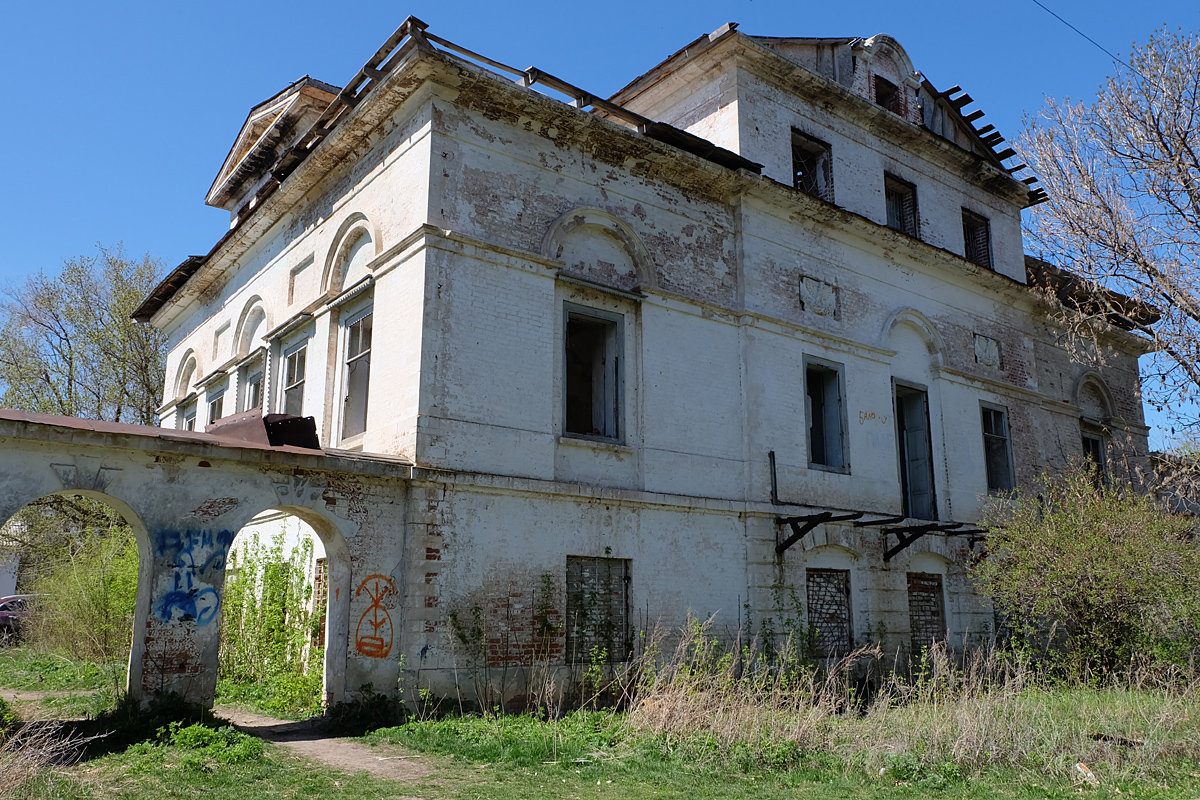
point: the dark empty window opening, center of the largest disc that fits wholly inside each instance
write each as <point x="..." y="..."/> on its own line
<point x="996" y="451"/>
<point x="888" y="95"/>
<point x="901" y="198"/>
<point x="592" y="376"/>
<point x="977" y="240"/>
<point x="1094" y="455"/>
<point x="598" y="610"/>
<point x="823" y="387"/>
<point x="828" y="595"/>
<point x="812" y="166"/>
<point x="916" y="454"/>
<point x="926" y="610"/>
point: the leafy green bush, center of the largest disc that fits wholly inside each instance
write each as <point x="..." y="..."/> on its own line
<point x="1101" y="577"/>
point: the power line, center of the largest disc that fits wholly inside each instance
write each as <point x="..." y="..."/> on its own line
<point x="1102" y="48"/>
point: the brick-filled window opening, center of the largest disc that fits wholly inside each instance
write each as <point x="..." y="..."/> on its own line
<point x="1094" y="455"/>
<point x="593" y="376"/>
<point x="996" y="450"/>
<point x="888" y="95"/>
<point x="598" y="610"/>
<point x="977" y="239"/>
<point x="358" y="376"/>
<point x="915" y="451"/>
<point x="901" y="199"/>
<point x="829" y="625"/>
<point x="293" y="381"/>
<point x="823" y="389"/>
<point x="926" y="610"/>
<point x="812" y="166"/>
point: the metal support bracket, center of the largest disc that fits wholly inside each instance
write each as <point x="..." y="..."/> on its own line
<point x="908" y="536"/>
<point x="802" y="526"/>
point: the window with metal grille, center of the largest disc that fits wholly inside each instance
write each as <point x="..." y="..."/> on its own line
<point x="926" y="610"/>
<point x="901" y="199"/>
<point x="598" y="610"/>
<point x="996" y="451"/>
<point x="828" y="594"/>
<point x="812" y="166"/>
<point x="358" y="375"/>
<point x="977" y="239"/>
<point x="293" y="381"/>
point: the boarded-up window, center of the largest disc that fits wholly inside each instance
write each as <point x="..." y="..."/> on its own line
<point x="977" y="240"/>
<point x="926" y="610"/>
<point x="829" y="625"/>
<point x="812" y="166"/>
<point x="901" y="199"/>
<point x="597" y="610"/>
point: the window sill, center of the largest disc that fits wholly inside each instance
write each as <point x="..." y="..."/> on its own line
<point x="594" y="443"/>
<point x="833" y="470"/>
<point x="352" y="443"/>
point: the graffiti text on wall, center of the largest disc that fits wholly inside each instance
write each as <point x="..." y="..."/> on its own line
<point x="373" y="637"/>
<point x="196" y="558"/>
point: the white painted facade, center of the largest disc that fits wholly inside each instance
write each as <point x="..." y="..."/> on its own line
<point x="473" y="219"/>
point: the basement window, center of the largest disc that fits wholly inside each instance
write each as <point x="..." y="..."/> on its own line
<point x="828" y="595"/>
<point x="592" y="385"/>
<point x="996" y="450"/>
<point x="812" y="166"/>
<point x="901" y="199"/>
<point x="916" y="454"/>
<point x="977" y="240"/>
<point x="926" y="611"/>
<point x="823" y="390"/>
<point x="887" y="94"/>
<point x="293" y="380"/>
<point x="358" y="375"/>
<point x="598" y="610"/>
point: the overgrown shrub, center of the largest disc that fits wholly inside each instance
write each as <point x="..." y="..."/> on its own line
<point x="266" y="656"/>
<point x="1096" y="577"/>
<point x="86" y="597"/>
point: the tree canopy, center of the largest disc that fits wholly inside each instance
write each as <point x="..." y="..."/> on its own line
<point x="68" y="346"/>
<point x="1123" y="179"/>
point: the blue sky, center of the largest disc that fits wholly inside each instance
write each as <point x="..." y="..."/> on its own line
<point x="119" y="114"/>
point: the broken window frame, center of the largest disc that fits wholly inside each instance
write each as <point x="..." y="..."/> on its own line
<point x="910" y="458"/>
<point x="356" y="366"/>
<point x="828" y="448"/>
<point x="891" y="97"/>
<point x="900" y="202"/>
<point x="1000" y="476"/>
<point x="607" y="423"/>
<point x="613" y="577"/>
<point x="977" y="239"/>
<point x="1095" y="451"/>
<point x="293" y="369"/>
<point x="812" y="166"/>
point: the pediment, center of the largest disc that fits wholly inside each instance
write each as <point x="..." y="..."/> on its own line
<point x="271" y="127"/>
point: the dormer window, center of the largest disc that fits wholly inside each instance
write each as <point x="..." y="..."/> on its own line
<point x="887" y="94"/>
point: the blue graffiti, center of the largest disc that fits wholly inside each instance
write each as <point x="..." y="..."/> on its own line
<point x="199" y="606"/>
<point x="197" y="559"/>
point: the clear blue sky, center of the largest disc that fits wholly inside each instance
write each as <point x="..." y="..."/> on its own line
<point x="118" y="115"/>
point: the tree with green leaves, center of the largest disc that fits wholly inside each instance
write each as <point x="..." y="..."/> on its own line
<point x="69" y="347"/>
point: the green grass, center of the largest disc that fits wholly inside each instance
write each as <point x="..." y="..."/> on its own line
<point x="283" y="696"/>
<point x="23" y="668"/>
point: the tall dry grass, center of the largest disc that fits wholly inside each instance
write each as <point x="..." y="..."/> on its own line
<point x="30" y="752"/>
<point x="984" y="710"/>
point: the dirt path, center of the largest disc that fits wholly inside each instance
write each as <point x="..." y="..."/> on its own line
<point x="306" y="739"/>
<point x="30" y="695"/>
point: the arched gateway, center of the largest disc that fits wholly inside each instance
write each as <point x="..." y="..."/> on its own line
<point x="186" y="495"/>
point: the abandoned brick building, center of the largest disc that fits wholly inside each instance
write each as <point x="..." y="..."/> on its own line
<point x="763" y="318"/>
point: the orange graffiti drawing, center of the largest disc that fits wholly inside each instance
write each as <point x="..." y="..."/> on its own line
<point x="376" y="642"/>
